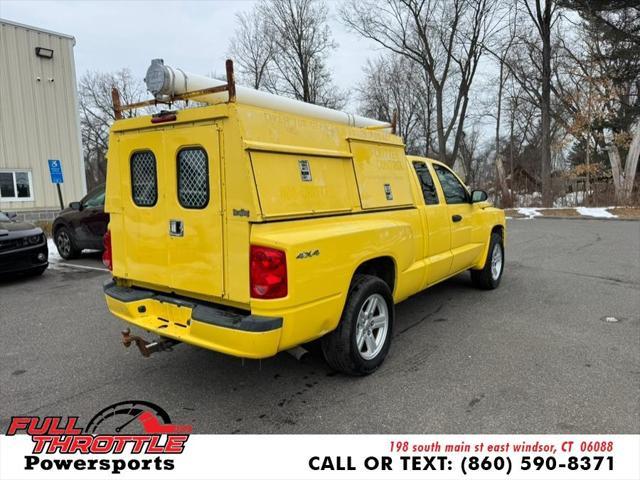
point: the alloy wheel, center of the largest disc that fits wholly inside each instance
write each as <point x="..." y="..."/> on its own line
<point x="372" y="326"/>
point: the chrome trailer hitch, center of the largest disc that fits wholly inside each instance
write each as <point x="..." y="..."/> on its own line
<point x="147" y="348"/>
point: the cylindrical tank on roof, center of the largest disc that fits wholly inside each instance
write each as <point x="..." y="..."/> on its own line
<point x="164" y="82"/>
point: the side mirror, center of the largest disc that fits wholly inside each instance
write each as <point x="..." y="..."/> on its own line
<point x="479" y="196"/>
<point x="75" y="205"/>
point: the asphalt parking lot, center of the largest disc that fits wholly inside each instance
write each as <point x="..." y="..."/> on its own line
<point x="536" y="355"/>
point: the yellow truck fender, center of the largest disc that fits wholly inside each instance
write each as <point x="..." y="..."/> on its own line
<point x="322" y="257"/>
<point x="494" y="220"/>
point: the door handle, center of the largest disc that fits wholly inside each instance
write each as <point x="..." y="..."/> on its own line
<point x="176" y="228"/>
<point x="456" y="218"/>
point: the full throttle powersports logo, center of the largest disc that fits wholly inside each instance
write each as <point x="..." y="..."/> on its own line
<point x="130" y="428"/>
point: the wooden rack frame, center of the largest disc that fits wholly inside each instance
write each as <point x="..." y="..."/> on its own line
<point x="230" y="87"/>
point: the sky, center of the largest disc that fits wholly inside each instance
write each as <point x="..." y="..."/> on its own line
<point x="192" y="35"/>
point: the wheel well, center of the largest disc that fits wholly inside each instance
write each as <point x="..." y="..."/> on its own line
<point x="56" y="227"/>
<point x="381" y="267"/>
<point x="499" y="229"/>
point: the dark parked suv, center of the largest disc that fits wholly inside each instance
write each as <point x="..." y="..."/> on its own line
<point x="81" y="225"/>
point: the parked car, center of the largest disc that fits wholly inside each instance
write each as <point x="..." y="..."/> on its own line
<point x="23" y="247"/>
<point x="82" y="225"/>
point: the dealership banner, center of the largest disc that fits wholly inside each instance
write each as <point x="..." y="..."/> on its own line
<point x="59" y="449"/>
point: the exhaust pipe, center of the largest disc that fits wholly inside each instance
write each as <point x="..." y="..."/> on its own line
<point x="298" y="353"/>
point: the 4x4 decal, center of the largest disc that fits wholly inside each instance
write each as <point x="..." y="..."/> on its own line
<point x="309" y="254"/>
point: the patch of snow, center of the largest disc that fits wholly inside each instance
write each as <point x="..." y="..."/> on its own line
<point x="595" y="212"/>
<point x="54" y="256"/>
<point x="529" y="212"/>
<point x="58" y="263"/>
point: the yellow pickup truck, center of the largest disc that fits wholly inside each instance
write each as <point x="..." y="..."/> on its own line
<point x="250" y="231"/>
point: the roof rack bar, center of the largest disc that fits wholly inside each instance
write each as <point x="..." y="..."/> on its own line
<point x="115" y="99"/>
<point x="230" y="87"/>
<point x="204" y="91"/>
<point x="231" y="80"/>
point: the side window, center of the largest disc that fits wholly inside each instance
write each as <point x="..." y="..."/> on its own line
<point x="144" y="179"/>
<point x="193" y="177"/>
<point x="95" y="201"/>
<point x="16" y="185"/>
<point x="454" y="191"/>
<point x="426" y="182"/>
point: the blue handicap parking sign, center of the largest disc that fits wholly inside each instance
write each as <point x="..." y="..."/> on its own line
<point x="55" y="169"/>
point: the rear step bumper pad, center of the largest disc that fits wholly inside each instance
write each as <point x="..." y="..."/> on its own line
<point x="201" y="311"/>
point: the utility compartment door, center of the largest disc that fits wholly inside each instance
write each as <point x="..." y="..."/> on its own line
<point x="292" y="185"/>
<point x="193" y="221"/>
<point x="382" y="174"/>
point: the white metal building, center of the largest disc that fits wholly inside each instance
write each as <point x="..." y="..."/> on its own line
<point x="38" y="120"/>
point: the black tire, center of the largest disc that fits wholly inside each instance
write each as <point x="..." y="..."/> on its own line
<point x="485" y="279"/>
<point x="340" y="347"/>
<point x="66" y="246"/>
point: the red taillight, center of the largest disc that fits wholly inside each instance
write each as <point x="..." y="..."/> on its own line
<point x="268" y="272"/>
<point x="106" y="254"/>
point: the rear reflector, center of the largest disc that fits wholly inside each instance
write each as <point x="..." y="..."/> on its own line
<point x="268" y="272"/>
<point x="106" y="254"/>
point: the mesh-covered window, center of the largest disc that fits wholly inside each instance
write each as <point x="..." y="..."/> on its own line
<point x="193" y="177"/>
<point x="144" y="179"/>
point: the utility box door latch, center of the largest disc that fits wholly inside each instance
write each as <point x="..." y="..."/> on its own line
<point x="176" y="228"/>
<point x="305" y="170"/>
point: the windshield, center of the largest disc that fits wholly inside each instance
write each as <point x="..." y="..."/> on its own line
<point x="3" y="217"/>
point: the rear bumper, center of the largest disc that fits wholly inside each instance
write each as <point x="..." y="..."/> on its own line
<point x="198" y="323"/>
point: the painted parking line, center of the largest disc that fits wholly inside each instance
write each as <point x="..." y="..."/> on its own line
<point x="56" y="262"/>
<point x="62" y="265"/>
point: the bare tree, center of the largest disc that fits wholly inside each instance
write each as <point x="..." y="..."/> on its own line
<point x="529" y="62"/>
<point x="601" y="87"/>
<point x="543" y="14"/>
<point x="96" y="116"/>
<point x="500" y="52"/>
<point x="393" y="85"/>
<point x="501" y="183"/>
<point x="301" y="43"/>
<point x="252" y="48"/>
<point x="444" y="37"/>
<point x="469" y="150"/>
<point x="520" y="144"/>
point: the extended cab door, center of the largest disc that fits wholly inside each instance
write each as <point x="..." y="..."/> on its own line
<point x="193" y="218"/>
<point x="438" y="232"/>
<point x="461" y="217"/>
